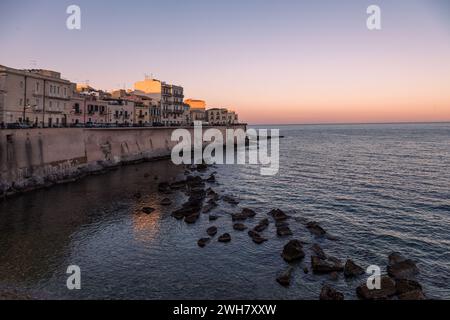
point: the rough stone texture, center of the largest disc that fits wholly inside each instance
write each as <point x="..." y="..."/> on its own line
<point x="293" y="251"/>
<point x="329" y="293"/>
<point x="401" y="268"/>
<point x="351" y="269"/>
<point x="327" y="265"/>
<point x="284" y="279"/>
<point x="386" y="291"/>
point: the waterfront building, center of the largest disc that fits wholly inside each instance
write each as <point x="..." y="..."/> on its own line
<point x="217" y="116"/>
<point x="197" y="110"/>
<point x="121" y="112"/>
<point x="170" y="98"/>
<point x="35" y="97"/>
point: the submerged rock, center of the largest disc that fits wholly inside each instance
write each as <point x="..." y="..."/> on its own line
<point x="209" y="207"/>
<point x="225" y="238"/>
<point x="212" y="231"/>
<point x="318" y="251"/>
<point x="213" y="218"/>
<point x="315" y="229"/>
<point x="278" y="215"/>
<point x="327" y="265"/>
<point x="256" y="237"/>
<point x="230" y="200"/>
<point x="412" y="295"/>
<point x="386" y="291"/>
<point x="248" y="212"/>
<point x="293" y="251"/>
<point x="284" y="279"/>
<point x="211" y="179"/>
<point x="329" y="293"/>
<point x="284" y="231"/>
<point x="351" y="269"/>
<point x="191" y="218"/>
<point x="401" y="268"/>
<point x="404" y="286"/>
<point x="239" y="227"/>
<point x="203" y="242"/>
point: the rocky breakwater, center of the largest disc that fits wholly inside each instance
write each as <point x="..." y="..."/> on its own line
<point x="297" y="256"/>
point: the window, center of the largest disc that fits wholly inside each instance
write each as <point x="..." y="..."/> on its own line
<point x="37" y="87"/>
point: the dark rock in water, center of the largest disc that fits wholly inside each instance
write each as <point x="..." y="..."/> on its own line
<point x="178" y="185"/>
<point x="318" y="251"/>
<point x="404" y="286"/>
<point x="209" y="207"/>
<point x="315" y="229"/>
<point x="305" y="270"/>
<point x="400" y="267"/>
<point x="191" y="218"/>
<point x="284" y="231"/>
<point x="256" y="237"/>
<point x="213" y="218"/>
<point x="225" y="238"/>
<point x="248" y="212"/>
<point x="386" y="291"/>
<point x="148" y="210"/>
<point x="278" y="215"/>
<point x="412" y="295"/>
<point x="293" y="251"/>
<point x="351" y="269"/>
<point x="203" y="242"/>
<point x="329" y="293"/>
<point x="328" y="265"/>
<point x="262" y="225"/>
<point x="284" y="279"/>
<point x="230" y="200"/>
<point x="281" y="224"/>
<point x="334" y="276"/>
<point x="239" y="227"/>
<point x="211" y="179"/>
<point x="137" y="195"/>
<point x="212" y="231"/>
<point x="177" y="215"/>
<point x="238" y="217"/>
<point x="166" y="202"/>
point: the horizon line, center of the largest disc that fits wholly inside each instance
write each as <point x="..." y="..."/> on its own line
<point x="348" y="123"/>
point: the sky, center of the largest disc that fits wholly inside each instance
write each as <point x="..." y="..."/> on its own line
<point x="278" y="61"/>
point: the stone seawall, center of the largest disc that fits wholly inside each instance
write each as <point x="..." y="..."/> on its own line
<point x="35" y="158"/>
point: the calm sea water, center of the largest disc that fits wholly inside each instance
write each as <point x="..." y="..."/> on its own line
<point x="378" y="188"/>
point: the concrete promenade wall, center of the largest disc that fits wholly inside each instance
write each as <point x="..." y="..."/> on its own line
<point x="35" y="158"/>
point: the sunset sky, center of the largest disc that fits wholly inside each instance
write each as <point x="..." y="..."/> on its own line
<point x="271" y="61"/>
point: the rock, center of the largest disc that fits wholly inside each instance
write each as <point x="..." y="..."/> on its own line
<point x="209" y="207"/>
<point x="329" y="293"/>
<point x="281" y="224"/>
<point x="230" y="200"/>
<point x="213" y="218"/>
<point x="315" y="229"/>
<point x="284" y="279"/>
<point x="166" y="202"/>
<point x="201" y="167"/>
<point x="178" y="185"/>
<point x="318" y="251"/>
<point x="386" y="291"/>
<point x="258" y="239"/>
<point x="293" y="251"/>
<point x="191" y="218"/>
<point x="225" y="238"/>
<point x="278" y="215"/>
<point x="328" y="265"/>
<point x="284" y="231"/>
<point x="412" y="295"/>
<point x="400" y="267"/>
<point x="203" y="242"/>
<point x="212" y="231"/>
<point x="351" y="269"/>
<point x="238" y="217"/>
<point x="147" y="175"/>
<point x="177" y="215"/>
<point x="305" y="270"/>
<point x="211" y="179"/>
<point x="137" y="195"/>
<point x="334" y="276"/>
<point x="262" y="225"/>
<point x="239" y="227"/>
<point x="148" y="210"/>
<point x="248" y="212"/>
<point x="404" y="286"/>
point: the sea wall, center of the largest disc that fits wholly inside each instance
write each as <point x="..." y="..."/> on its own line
<point x="36" y="158"/>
